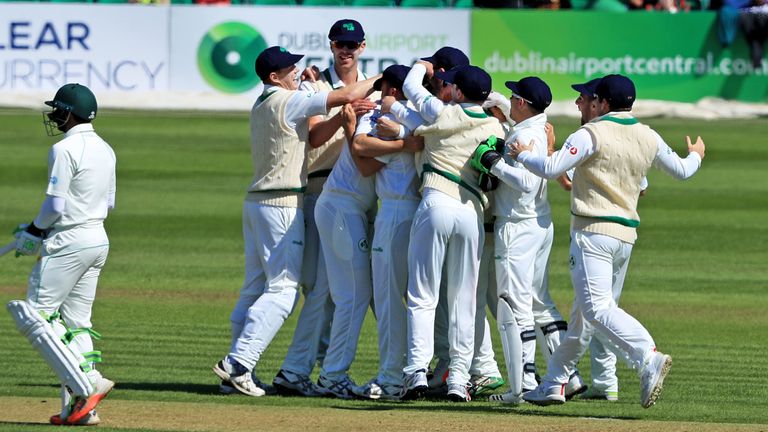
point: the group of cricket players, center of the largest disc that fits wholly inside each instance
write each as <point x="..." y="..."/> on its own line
<point x="419" y="193"/>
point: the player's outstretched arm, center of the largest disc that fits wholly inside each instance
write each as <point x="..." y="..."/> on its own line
<point x="680" y="168"/>
<point x="350" y="93"/>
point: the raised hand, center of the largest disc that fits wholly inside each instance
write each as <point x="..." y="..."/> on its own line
<point x="697" y="147"/>
<point x="519" y="147"/>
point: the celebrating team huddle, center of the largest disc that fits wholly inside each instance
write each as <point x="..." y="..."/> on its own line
<point x="420" y="193"/>
<point x="343" y="187"/>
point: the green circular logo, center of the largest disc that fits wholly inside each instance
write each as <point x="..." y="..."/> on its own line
<point x="226" y="56"/>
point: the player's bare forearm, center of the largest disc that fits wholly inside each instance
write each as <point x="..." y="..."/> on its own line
<point x="320" y="131"/>
<point x="367" y="166"/>
<point x="369" y="146"/>
<point x="347" y="94"/>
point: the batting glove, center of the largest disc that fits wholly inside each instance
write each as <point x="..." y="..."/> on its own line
<point x="486" y="155"/>
<point x="29" y="240"/>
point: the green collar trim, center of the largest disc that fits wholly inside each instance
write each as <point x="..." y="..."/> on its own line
<point x="474" y="114"/>
<point x="621" y="121"/>
<point x="264" y="96"/>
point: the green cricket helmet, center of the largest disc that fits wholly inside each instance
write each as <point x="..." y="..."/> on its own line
<point x="70" y="99"/>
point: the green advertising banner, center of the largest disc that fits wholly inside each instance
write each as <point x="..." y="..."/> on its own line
<point x="675" y="57"/>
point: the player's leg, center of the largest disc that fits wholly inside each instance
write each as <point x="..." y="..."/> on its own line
<point x="484" y="371"/>
<point x="279" y="240"/>
<point x="600" y="255"/>
<point x="75" y="318"/>
<point x="516" y="243"/>
<point x="549" y="322"/>
<point x="253" y="283"/>
<point x="389" y="267"/>
<point x="462" y="263"/>
<point x="440" y="372"/>
<point x="426" y="254"/>
<point x="343" y="229"/>
<point x="315" y="316"/>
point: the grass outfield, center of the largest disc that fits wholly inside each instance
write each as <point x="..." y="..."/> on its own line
<point x="697" y="280"/>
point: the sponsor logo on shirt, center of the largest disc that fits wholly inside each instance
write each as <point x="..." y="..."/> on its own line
<point x="54" y="180"/>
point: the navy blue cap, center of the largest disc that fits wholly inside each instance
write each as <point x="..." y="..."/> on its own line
<point x="532" y="89"/>
<point x="346" y="30"/>
<point x="618" y="90"/>
<point x="273" y="59"/>
<point x="589" y="87"/>
<point x="474" y="82"/>
<point x="394" y="75"/>
<point x="447" y="58"/>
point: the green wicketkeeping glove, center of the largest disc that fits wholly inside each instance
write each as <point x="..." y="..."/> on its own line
<point x="486" y="155"/>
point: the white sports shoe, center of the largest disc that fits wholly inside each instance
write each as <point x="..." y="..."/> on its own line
<point x="547" y="393"/>
<point x="507" y="398"/>
<point x="290" y="383"/>
<point x="245" y="384"/>
<point x="377" y="391"/>
<point x="575" y="386"/>
<point x="415" y="385"/>
<point x="458" y="393"/>
<point x="482" y="384"/>
<point x="439" y="374"/>
<point x="652" y="378"/>
<point x="340" y="388"/>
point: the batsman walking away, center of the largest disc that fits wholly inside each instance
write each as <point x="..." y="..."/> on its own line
<point x="69" y="235"/>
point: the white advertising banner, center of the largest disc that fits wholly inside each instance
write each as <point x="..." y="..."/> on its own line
<point x="213" y="49"/>
<point x="109" y="48"/>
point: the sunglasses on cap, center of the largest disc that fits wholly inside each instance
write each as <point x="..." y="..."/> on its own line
<point x="517" y="96"/>
<point x="350" y="45"/>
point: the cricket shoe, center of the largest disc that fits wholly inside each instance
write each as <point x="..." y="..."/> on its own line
<point x="92" y="419"/>
<point x="508" y="398"/>
<point x="238" y="376"/>
<point x="482" y="384"/>
<point x="226" y="387"/>
<point x="340" y="388"/>
<point x="83" y="405"/>
<point x="289" y="383"/>
<point x="377" y="391"/>
<point x="547" y="393"/>
<point x="439" y="374"/>
<point x="575" y="386"/>
<point x="597" y="394"/>
<point x="652" y="378"/>
<point x="459" y="392"/>
<point x="416" y="385"/>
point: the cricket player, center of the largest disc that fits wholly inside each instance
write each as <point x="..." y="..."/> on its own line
<point x="310" y="338"/>
<point x="610" y="154"/>
<point x="396" y="184"/>
<point x="69" y="234"/>
<point x="523" y="240"/>
<point x="447" y="227"/>
<point x="273" y="219"/>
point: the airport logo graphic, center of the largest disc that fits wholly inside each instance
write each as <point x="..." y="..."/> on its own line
<point x="226" y="56"/>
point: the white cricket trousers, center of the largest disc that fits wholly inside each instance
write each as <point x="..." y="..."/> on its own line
<point x="274" y="247"/>
<point x="483" y="362"/>
<point x="596" y="260"/>
<point x="389" y="266"/>
<point x="67" y="283"/>
<point x="343" y="227"/>
<point x="447" y="233"/>
<point x="315" y="318"/>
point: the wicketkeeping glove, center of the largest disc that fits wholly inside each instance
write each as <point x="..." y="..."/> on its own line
<point x="486" y="155"/>
<point x="488" y="182"/>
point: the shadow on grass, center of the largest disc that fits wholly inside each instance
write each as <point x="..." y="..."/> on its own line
<point x="474" y="407"/>
<point x="201" y="389"/>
